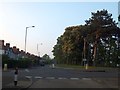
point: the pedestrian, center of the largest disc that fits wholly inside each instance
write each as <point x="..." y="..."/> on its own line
<point x="16" y="76"/>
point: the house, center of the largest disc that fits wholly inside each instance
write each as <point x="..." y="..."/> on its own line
<point x="11" y="52"/>
<point x="21" y="54"/>
<point x="7" y="48"/>
<point x="2" y="51"/>
<point x="14" y="53"/>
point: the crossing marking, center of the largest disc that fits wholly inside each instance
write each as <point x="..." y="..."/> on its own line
<point x="28" y="76"/>
<point x="61" y="78"/>
<point x="37" y="77"/>
<point x="27" y="70"/>
<point x="86" y="78"/>
<point x="74" y="78"/>
<point x="50" y="77"/>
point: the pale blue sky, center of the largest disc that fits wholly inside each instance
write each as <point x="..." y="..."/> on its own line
<point x="50" y="20"/>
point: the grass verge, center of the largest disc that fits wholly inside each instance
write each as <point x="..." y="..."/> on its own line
<point x="89" y="67"/>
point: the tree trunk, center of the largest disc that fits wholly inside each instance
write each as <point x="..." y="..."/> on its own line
<point x="84" y="48"/>
<point x="95" y="49"/>
<point x="84" y="51"/>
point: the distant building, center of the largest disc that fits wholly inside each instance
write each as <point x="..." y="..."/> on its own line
<point x="14" y="53"/>
<point x="22" y="54"/>
<point x="2" y="51"/>
<point x="7" y="48"/>
<point x="11" y="52"/>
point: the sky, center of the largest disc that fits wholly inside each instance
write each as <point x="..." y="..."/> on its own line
<point x="50" y="20"/>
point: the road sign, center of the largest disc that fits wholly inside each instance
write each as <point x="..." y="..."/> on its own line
<point x="84" y="59"/>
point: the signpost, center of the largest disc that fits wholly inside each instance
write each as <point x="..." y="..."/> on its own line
<point x="84" y="60"/>
<point x="5" y="67"/>
<point x="85" y="63"/>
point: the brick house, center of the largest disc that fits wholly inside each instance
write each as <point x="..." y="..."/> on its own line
<point x="2" y="51"/>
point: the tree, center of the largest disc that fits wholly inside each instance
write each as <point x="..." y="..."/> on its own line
<point x="68" y="49"/>
<point x="98" y="41"/>
<point x="57" y="50"/>
<point x="46" y="57"/>
<point x="100" y="23"/>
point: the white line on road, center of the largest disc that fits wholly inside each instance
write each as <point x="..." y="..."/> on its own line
<point x="61" y="78"/>
<point x="28" y="76"/>
<point x="86" y="78"/>
<point x="74" y="78"/>
<point x="50" y="77"/>
<point x="27" y="70"/>
<point x="37" y="77"/>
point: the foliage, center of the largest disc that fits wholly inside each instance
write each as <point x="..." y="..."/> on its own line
<point x="47" y="59"/>
<point x="98" y="41"/>
<point x="21" y="63"/>
<point x="69" y="47"/>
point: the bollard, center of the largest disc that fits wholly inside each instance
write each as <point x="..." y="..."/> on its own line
<point x="5" y="67"/>
<point x="53" y="66"/>
<point x="16" y="76"/>
<point x="86" y="66"/>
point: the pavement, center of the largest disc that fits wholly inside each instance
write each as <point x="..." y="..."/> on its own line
<point x="22" y="83"/>
<point x="108" y="82"/>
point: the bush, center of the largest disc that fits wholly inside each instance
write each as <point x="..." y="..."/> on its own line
<point x="21" y="63"/>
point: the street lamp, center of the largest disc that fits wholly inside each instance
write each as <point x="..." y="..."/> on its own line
<point x="38" y="50"/>
<point x="26" y="36"/>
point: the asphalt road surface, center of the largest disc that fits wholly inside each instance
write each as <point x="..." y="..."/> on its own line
<point x="46" y="77"/>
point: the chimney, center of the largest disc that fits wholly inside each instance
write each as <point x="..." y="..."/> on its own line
<point x="17" y="50"/>
<point x="8" y="44"/>
<point x="1" y="44"/>
<point x="14" y="49"/>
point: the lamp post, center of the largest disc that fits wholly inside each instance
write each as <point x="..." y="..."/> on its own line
<point x="26" y="36"/>
<point x="38" y="50"/>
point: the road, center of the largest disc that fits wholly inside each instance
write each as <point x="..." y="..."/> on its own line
<point x="46" y="77"/>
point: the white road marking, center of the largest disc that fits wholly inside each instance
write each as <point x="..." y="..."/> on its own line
<point x="86" y="78"/>
<point x="50" y="77"/>
<point x="74" y="78"/>
<point x="27" y="70"/>
<point x="61" y="78"/>
<point x="28" y="76"/>
<point x="37" y="77"/>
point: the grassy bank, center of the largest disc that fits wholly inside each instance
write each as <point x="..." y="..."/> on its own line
<point x="73" y="66"/>
<point x="89" y="67"/>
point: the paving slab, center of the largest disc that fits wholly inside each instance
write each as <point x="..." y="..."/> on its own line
<point x="20" y="85"/>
